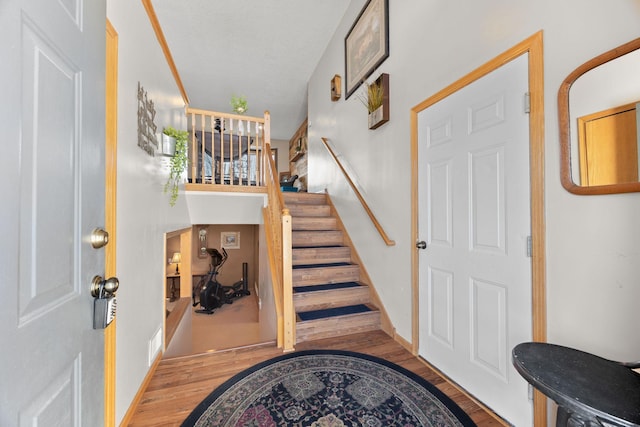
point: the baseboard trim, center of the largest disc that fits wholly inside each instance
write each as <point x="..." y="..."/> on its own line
<point x="136" y="400"/>
<point x="490" y="411"/>
<point x="403" y="342"/>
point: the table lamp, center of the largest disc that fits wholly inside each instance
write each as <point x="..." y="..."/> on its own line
<point x="176" y="259"/>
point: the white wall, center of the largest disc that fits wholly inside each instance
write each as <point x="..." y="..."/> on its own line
<point x="143" y="211"/>
<point x="593" y="258"/>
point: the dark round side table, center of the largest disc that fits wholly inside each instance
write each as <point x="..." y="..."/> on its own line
<point x="590" y="391"/>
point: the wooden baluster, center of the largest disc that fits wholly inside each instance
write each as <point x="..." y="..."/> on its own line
<point x="212" y="130"/>
<point x="222" y="150"/>
<point x="244" y="164"/>
<point x="252" y="159"/>
<point x="203" y="144"/>
<point x="267" y="138"/>
<point x="194" y="151"/>
<point x="232" y="165"/>
<point x="259" y="157"/>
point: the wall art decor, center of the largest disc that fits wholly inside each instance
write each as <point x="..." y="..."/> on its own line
<point x="367" y="44"/>
<point x="147" y="128"/>
<point x="230" y="239"/>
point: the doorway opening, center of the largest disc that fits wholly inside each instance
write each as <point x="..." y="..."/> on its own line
<point x="188" y="264"/>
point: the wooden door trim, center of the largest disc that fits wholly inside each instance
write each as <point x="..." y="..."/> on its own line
<point x="534" y="47"/>
<point x="111" y="144"/>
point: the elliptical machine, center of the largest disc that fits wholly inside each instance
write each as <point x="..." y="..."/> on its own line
<point x="211" y="293"/>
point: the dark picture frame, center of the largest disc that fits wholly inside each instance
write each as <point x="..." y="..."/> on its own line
<point x="366" y="45"/>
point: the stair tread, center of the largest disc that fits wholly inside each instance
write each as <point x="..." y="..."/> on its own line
<point x="325" y="287"/>
<point x="304" y="198"/>
<point x="333" y="312"/>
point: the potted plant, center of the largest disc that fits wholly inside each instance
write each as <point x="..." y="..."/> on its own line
<point x="178" y="161"/>
<point x="376" y="100"/>
<point x="239" y="104"/>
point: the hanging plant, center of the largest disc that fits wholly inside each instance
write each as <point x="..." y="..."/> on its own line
<point x="178" y="162"/>
<point x="239" y="104"/>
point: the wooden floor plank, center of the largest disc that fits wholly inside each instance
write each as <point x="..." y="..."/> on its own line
<point x="180" y="384"/>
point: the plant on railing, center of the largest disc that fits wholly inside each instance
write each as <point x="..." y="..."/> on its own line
<point x="239" y="104"/>
<point x="178" y="161"/>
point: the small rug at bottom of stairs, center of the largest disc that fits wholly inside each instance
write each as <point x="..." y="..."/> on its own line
<point x="327" y="388"/>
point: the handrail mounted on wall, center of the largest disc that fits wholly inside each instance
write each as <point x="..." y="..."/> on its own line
<point x="373" y="218"/>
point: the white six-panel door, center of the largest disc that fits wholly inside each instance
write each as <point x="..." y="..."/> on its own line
<point x="474" y="213"/>
<point x="52" y="162"/>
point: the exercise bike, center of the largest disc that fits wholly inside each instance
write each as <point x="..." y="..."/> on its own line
<point x="211" y="293"/>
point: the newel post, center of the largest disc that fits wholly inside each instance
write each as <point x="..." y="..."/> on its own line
<point x="287" y="283"/>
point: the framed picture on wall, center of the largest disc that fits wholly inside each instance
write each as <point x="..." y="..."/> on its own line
<point x="230" y="239"/>
<point x="367" y="44"/>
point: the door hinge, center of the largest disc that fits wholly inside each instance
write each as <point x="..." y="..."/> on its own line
<point x="529" y="247"/>
<point x="530" y="392"/>
<point x="527" y="102"/>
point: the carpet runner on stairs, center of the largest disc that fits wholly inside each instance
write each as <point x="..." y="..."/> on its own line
<point x="325" y="287"/>
<point x="334" y="264"/>
<point x="332" y="312"/>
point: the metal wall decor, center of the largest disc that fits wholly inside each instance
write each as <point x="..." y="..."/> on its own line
<point x="147" y="139"/>
<point x="202" y="240"/>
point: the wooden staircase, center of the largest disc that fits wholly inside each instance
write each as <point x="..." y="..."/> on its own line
<point x="329" y="296"/>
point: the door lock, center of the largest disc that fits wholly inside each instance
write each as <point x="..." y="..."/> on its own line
<point x="99" y="238"/>
<point x="104" y="304"/>
<point x="421" y="244"/>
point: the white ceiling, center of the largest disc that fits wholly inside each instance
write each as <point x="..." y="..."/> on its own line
<point x="265" y="50"/>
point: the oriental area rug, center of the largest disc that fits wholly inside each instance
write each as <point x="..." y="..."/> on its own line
<point x="327" y="388"/>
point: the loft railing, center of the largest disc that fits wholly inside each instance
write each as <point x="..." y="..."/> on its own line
<point x="227" y="151"/>
<point x="368" y="210"/>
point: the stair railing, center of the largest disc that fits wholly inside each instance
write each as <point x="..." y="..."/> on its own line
<point x="277" y="221"/>
<point x="368" y="210"/>
<point x="225" y="150"/>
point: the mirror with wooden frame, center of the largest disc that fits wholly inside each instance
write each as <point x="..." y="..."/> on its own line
<point x="599" y="122"/>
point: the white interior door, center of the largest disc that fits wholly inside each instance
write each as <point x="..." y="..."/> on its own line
<point x="474" y="213"/>
<point x="52" y="80"/>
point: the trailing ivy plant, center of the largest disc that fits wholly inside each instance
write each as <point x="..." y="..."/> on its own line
<point x="178" y="161"/>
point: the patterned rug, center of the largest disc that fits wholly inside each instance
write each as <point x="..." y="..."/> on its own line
<point x="327" y="388"/>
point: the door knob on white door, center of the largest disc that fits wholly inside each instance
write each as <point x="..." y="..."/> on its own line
<point x="99" y="286"/>
<point x="421" y="244"/>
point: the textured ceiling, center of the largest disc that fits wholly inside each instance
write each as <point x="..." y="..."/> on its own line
<point x="265" y="50"/>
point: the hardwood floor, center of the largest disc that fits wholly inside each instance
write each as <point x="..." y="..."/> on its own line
<point x="179" y="384"/>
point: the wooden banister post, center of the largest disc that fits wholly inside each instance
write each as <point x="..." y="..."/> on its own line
<point x="287" y="283"/>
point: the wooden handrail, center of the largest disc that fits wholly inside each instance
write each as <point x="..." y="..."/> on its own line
<point x="376" y="224"/>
